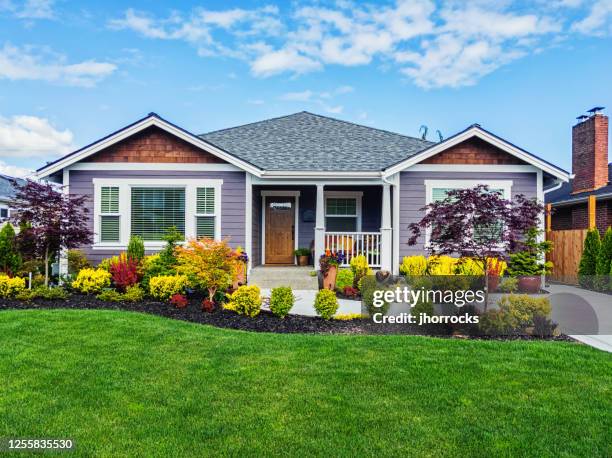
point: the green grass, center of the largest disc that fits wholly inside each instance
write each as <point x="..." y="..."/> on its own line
<point x="123" y="383"/>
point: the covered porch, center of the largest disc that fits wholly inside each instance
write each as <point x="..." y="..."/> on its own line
<point x="354" y="218"/>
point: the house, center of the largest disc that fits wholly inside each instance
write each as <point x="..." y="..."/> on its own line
<point x="7" y="192"/>
<point x="586" y="200"/>
<point x="279" y="184"/>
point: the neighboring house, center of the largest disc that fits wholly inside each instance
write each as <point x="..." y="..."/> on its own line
<point x="295" y="181"/>
<point x="586" y="201"/>
<point x="7" y="192"/>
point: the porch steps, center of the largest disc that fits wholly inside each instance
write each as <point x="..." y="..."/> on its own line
<point x="267" y="277"/>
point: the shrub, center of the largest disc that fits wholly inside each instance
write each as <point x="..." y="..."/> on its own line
<point x="208" y="306"/>
<point x="367" y="286"/>
<point x="136" y="249"/>
<point x="11" y="286"/>
<point x="208" y="264"/>
<point x="469" y="267"/>
<point x="133" y="293"/>
<point x="110" y="295"/>
<point x="508" y="285"/>
<point x="543" y="327"/>
<point x="281" y="301"/>
<point x="495" y="323"/>
<point x="441" y="265"/>
<point x="163" y="287"/>
<point x="350" y="291"/>
<point x="588" y="262"/>
<point x="246" y="300"/>
<point x="179" y="301"/>
<point x="522" y="308"/>
<point x="348" y="316"/>
<point x="155" y="265"/>
<point x="106" y="263"/>
<point x="76" y="261"/>
<point x="360" y="268"/>
<point x="604" y="261"/>
<point x="10" y="259"/>
<point x="413" y="266"/>
<point x="57" y="293"/>
<point x="422" y="307"/>
<point x="124" y="272"/>
<point x="326" y="304"/>
<point x="91" y="280"/>
<point x="344" y="278"/>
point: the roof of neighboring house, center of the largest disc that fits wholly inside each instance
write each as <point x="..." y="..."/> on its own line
<point x="306" y="141"/>
<point x="7" y="189"/>
<point x="564" y="195"/>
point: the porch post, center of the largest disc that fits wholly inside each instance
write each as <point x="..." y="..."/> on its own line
<point x="63" y="255"/>
<point x="386" y="230"/>
<point x="319" y="226"/>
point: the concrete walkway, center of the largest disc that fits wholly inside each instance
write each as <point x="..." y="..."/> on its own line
<point x="304" y="303"/>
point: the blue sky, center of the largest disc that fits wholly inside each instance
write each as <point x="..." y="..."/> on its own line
<point x="71" y="72"/>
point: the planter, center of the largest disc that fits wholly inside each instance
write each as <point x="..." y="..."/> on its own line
<point x="493" y="281"/>
<point x="530" y="284"/>
<point x="240" y="275"/>
<point x="302" y="260"/>
<point x="329" y="279"/>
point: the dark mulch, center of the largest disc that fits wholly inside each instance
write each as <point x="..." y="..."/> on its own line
<point x="264" y="322"/>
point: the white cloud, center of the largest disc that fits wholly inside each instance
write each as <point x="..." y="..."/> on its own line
<point x="599" y="20"/>
<point x="283" y="60"/>
<point x="30" y="136"/>
<point x="14" y="170"/>
<point x="319" y="98"/>
<point x="29" y="9"/>
<point x="28" y="63"/>
<point x="303" y="96"/>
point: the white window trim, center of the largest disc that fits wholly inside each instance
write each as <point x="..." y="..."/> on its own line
<point x="125" y="213"/>
<point x="430" y="185"/>
<point x="357" y="195"/>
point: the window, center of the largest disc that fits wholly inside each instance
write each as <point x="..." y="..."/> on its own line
<point x="4" y="213"/>
<point x="342" y="214"/>
<point x="109" y="214"/>
<point x="205" y="213"/>
<point x="154" y="210"/>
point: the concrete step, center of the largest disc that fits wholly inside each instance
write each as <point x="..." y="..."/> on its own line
<point x="272" y="277"/>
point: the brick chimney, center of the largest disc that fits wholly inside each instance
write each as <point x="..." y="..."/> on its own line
<point x="590" y="153"/>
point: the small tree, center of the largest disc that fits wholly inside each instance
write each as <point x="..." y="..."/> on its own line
<point x="10" y="260"/>
<point x="208" y="264"/>
<point x="55" y="220"/>
<point x="136" y="249"/>
<point x="604" y="261"/>
<point x="587" y="268"/>
<point x="476" y="223"/>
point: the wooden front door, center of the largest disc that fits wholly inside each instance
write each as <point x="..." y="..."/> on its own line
<point x="280" y="224"/>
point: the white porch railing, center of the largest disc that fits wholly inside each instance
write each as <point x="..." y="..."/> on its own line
<point x="355" y="243"/>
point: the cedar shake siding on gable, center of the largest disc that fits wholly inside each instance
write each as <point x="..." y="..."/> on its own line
<point x="473" y="151"/>
<point x="154" y="145"/>
<point x="233" y="198"/>
<point x="413" y="198"/>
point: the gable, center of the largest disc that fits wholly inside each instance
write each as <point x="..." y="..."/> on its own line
<point x="474" y="151"/>
<point x="154" y="145"/>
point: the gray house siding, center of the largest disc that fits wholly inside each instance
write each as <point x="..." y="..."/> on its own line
<point x="233" y="199"/>
<point x="412" y="197"/>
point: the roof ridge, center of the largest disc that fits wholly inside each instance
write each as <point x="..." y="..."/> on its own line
<point x="367" y="127"/>
<point x="250" y="123"/>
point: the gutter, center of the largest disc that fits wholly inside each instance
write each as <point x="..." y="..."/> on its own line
<point x="565" y="203"/>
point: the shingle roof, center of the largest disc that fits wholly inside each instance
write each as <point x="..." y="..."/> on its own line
<point x="564" y="193"/>
<point x="7" y="189"/>
<point x="306" y="141"/>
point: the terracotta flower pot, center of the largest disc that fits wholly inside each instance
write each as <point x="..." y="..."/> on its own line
<point x="329" y="280"/>
<point x="493" y="283"/>
<point x="530" y="284"/>
<point x="240" y="275"/>
<point x="303" y="260"/>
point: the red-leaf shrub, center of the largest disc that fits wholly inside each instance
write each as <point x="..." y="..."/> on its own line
<point x="124" y="272"/>
<point x="349" y="291"/>
<point x="208" y="305"/>
<point x="179" y="301"/>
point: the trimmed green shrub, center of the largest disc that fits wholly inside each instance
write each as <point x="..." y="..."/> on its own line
<point x="77" y="261"/>
<point x="588" y="262"/>
<point x="422" y="307"/>
<point x="133" y="293"/>
<point x="604" y="261"/>
<point x="110" y="295"/>
<point x="508" y="285"/>
<point x="10" y="259"/>
<point x="344" y="278"/>
<point x="522" y="308"/>
<point x="246" y="300"/>
<point x="367" y="286"/>
<point x="495" y="323"/>
<point x="326" y="304"/>
<point x="281" y="301"/>
<point x="136" y="249"/>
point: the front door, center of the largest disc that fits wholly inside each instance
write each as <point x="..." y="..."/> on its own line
<point x="280" y="221"/>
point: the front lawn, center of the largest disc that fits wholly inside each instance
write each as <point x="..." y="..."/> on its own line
<point x="122" y="383"/>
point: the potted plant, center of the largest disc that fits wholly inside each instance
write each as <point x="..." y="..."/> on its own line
<point x="329" y="263"/>
<point x="241" y="263"/>
<point x="495" y="270"/>
<point x="302" y="255"/>
<point x="528" y="264"/>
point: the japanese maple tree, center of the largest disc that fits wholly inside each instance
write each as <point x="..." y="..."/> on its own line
<point x="54" y="220"/>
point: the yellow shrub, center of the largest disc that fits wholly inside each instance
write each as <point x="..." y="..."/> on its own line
<point x="497" y="266"/>
<point x="360" y="266"/>
<point x="92" y="280"/>
<point x="348" y="316"/>
<point x="441" y="265"/>
<point x="246" y="300"/>
<point x="469" y="266"/>
<point x="163" y="287"/>
<point x="9" y="287"/>
<point x="148" y="261"/>
<point x="106" y="263"/>
<point x="413" y="265"/>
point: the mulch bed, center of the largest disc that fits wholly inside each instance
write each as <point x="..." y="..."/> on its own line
<point x="264" y="322"/>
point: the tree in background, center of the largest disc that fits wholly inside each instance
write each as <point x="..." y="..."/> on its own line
<point x="588" y="262"/>
<point x="55" y="220"/>
<point x="604" y="261"/>
<point x="10" y="260"/>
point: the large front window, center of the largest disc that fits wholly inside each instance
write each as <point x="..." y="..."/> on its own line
<point x="342" y="214"/>
<point x="155" y="210"/>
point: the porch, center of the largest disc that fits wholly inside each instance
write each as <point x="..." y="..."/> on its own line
<point x="353" y="219"/>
